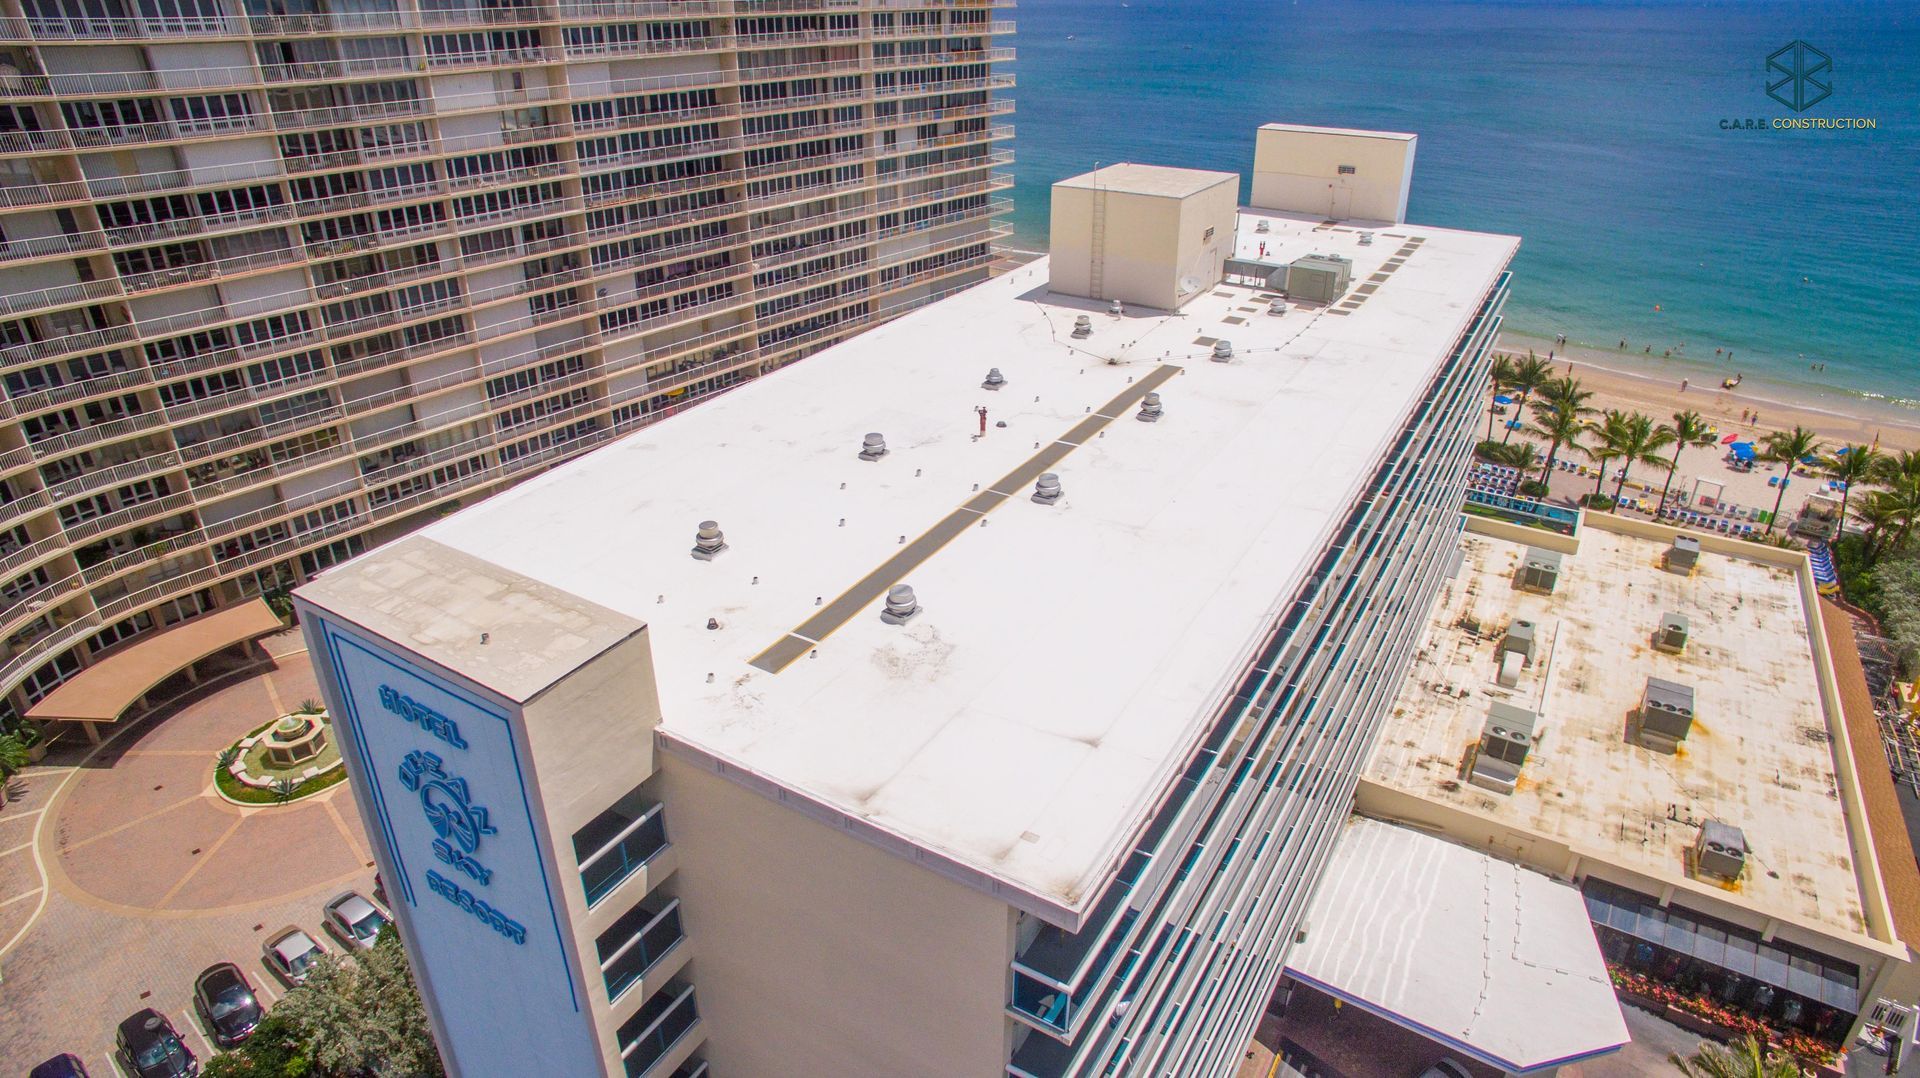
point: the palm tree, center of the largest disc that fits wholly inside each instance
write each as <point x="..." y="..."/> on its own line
<point x="1565" y="393"/>
<point x="1744" y="1058"/>
<point x="1884" y="515"/>
<point x="1905" y="462"/>
<point x="1788" y="447"/>
<point x="1528" y="376"/>
<point x="1501" y="376"/>
<point x="1852" y="465"/>
<point x="1611" y="432"/>
<point x="1689" y="430"/>
<point x="1559" y="427"/>
<point x="1641" y="444"/>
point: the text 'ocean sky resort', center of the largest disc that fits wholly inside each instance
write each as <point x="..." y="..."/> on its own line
<point x="591" y="482"/>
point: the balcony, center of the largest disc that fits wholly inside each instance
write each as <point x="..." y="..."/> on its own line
<point x="657" y="1028"/>
<point x="617" y="856"/>
<point x="116" y="475"/>
<point x="82" y="530"/>
<point x="95" y="433"/>
<point x="636" y="942"/>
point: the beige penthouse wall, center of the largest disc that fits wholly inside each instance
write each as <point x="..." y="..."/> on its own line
<point x="1138" y="255"/>
<point x="1298" y="171"/>
<point x="817" y="955"/>
<point x="1207" y="222"/>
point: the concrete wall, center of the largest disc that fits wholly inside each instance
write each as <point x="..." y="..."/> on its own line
<point x="1298" y="171"/>
<point x="817" y="955"/>
<point x="1150" y="243"/>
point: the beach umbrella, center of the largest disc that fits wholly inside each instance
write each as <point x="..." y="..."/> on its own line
<point x="1742" y="450"/>
<point x="1730" y="439"/>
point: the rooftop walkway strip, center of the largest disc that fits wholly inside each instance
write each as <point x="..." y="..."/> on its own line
<point x="807" y="634"/>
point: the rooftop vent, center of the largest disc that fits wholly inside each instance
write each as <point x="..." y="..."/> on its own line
<point x="1319" y="278"/>
<point x="1222" y="351"/>
<point x="1366" y="239"/>
<point x="1117" y="308"/>
<point x="1672" y="634"/>
<point x="1505" y="742"/>
<point x="1150" y="410"/>
<point x="1721" y="851"/>
<point x="1277" y="307"/>
<point x="901" y="605"/>
<point x="1539" y="570"/>
<point x="1666" y="715"/>
<point x="1263" y="227"/>
<point x="1083" y="326"/>
<point x="873" y="447"/>
<point x="1683" y="555"/>
<point x="708" y="542"/>
<point x="1046" y="490"/>
<point x="994" y="379"/>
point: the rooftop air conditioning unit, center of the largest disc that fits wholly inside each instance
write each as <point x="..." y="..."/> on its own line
<point x="1518" y="637"/>
<point x="1672" y="634"/>
<point x="1683" y="555"/>
<point x="1539" y="570"/>
<point x="1505" y="742"/>
<point x="1666" y="715"/>
<point x="1319" y="278"/>
<point x="1721" y="851"/>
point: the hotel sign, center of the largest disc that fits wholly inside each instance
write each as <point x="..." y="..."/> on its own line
<point x="439" y="772"/>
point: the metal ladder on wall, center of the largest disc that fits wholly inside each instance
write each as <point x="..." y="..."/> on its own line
<point x="1097" y="267"/>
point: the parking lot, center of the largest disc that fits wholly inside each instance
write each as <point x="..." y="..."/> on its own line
<point x="123" y="874"/>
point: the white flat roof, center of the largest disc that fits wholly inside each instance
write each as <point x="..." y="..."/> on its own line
<point x="1398" y="136"/>
<point x="1016" y="733"/>
<point x="1162" y="180"/>
<point x="1760" y="755"/>
<point x="1495" y="961"/>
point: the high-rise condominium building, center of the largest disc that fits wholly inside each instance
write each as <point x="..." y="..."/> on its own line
<point x="982" y="697"/>
<point x="282" y="279"/>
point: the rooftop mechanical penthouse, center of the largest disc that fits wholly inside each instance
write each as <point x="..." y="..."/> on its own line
<point x="981" y="697"/>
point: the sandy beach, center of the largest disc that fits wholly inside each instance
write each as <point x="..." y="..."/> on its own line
<point x="1630" y="381"/>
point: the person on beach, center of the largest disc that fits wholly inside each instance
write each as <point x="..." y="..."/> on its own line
<point x="1683" y="385"/>
<point x="1623" y="342"/>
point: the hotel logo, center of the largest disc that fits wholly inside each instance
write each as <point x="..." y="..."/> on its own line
<point x="1799" y="76"/>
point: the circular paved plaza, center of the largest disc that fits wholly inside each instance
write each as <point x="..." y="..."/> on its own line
<point x="123" y="873"/>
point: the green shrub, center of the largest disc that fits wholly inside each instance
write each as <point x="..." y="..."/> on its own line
<point x="1597" y="501"/>
<point x="1533" y="488"/>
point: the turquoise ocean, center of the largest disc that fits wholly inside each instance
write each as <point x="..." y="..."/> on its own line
<point x="1597" y="131"/>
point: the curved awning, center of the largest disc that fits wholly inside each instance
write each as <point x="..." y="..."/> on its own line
<point x="102" y="692"/>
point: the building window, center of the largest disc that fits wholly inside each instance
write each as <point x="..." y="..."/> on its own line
<point x="1346" y="170"/>
<point x="614" y="844"/>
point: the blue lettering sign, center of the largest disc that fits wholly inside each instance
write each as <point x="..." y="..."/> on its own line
<point x="477" y="906"/>
<point x="422" y="716"/>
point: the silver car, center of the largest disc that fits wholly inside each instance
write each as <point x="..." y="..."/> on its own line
<point x="354" y="920"/>
<point x="291" y="953"/>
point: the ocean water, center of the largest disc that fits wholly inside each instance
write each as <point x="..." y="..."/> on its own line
<point x="1593" y="130"/>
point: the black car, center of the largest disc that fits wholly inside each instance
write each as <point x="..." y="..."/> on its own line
<point x="150" y="1048"/>
<point x="226" y="1003"/>
<point x="61" y="1066"/>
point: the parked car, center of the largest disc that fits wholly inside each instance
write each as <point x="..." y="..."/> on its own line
<point x="61" y="1066"/>
<point x="149" y="1047"/>
<point x="226" y="1003"/>
<point x="291" y="953"/>
<point x="355" y="920"/>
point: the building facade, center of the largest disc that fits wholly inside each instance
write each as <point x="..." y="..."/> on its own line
<point x="283" y="280"/>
